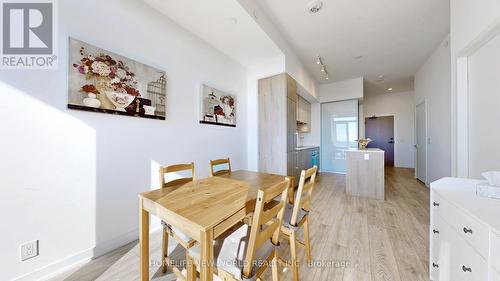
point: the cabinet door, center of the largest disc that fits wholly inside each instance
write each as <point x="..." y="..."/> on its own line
<point x="292" y="163"/>
<point x="291" y="88"/>
<point x="291" y="125"/>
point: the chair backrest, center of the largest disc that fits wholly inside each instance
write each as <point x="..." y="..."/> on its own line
<point x="174" y="169"/>
<point x="304" y="193"/>
<point x="267" y="219"/>
<point x="217" y="162"/>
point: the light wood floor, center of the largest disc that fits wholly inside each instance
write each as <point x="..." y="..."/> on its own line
<point x="353" y="239"/>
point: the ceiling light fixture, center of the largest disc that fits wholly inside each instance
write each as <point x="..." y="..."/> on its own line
<point x="323" y="69"/>
<point x="314" y="6"/>
<point x="390" y="89"/>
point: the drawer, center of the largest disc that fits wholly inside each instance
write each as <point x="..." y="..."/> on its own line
<point x="467" y="264"/>
<point x="471" y="230"/>
<point x="495" y="252"/>
<point x="434" y="247"/>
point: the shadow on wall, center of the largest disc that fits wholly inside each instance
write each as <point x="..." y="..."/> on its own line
<point x="48" y="173"/>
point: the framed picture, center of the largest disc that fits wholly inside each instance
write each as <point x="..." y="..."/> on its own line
<point x="102" y="81"/>
<point x="217" y="107"/>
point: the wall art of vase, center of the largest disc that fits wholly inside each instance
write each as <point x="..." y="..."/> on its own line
<point x="102" y="81"/>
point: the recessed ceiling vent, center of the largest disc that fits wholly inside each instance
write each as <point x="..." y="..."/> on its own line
<point x="315" y="6"/>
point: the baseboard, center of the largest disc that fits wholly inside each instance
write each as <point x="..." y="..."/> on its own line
<point x="52" y="270"/>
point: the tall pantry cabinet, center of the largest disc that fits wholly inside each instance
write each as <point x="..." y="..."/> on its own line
<point x="278" y="125"/>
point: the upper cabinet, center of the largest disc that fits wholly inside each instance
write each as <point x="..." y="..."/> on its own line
<point x="303" y="115"/>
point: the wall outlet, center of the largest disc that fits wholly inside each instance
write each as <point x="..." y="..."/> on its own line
<point x="28" y="250"/>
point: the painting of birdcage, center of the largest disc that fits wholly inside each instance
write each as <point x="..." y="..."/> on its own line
<point x="102" y="81"/>
<point x="156" y="92"/>
<point x="217" y="107"/>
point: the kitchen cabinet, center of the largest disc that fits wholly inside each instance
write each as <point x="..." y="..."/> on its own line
<point x="277" y="124"/>
<point x="303" y="115"/>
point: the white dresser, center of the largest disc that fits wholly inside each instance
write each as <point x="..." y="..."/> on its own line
<point x="464" y="233"/>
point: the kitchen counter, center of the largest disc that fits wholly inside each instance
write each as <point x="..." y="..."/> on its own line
<point x="365" y="173"/>
<point x="305" y="147"/>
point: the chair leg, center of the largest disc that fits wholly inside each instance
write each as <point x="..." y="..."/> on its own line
<point x="293" y="252"/>
<point x="275" y="269"/>
<point x="164" y="251"/>
<point x="191" y="268"/>
<point x="307" y="240"/>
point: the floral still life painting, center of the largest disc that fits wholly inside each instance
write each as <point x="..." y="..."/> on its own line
<point x="217" y="107"/>
<point x="102" y="81"/>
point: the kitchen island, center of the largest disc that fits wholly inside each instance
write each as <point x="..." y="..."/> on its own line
<point x="365" y="173"/>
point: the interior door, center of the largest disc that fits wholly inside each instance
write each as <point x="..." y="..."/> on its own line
<point x="421" y="144"/>
<point x="381" y="131"/>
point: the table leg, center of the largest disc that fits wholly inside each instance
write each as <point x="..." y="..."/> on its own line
<point x="207" y="255"/>
<point x="143" y="242"/>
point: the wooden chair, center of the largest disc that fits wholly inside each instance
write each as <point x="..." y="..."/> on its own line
<point x="168" y="230"/>
<point x="214" y="163"/>
<point x="246" y="252"/>
<point x="297" y="215"/>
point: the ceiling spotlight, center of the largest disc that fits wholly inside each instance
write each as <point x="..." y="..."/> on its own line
<point x="381" y="77"/>
<point x="390" y="89"/>
<point x="315" y="6"/>
<point x="327" y="78"/>
<point x="323" y="68"/>
<point x="319" y="61"/>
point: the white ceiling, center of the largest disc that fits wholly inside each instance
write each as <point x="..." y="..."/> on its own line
<point x="225" y="25"/>
<point x="394" y="37"/>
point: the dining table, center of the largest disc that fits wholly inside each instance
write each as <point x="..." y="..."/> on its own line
<point x="203" y="209"/>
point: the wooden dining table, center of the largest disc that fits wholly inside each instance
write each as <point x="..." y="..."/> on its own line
<point x="202" y="209"/>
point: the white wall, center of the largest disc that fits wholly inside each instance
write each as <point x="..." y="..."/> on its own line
<point x="71" y="178"/>
<point x="401" y="105"/>
<point x="469" y="20"/>
<point x="484" y="109"/>
<point x="342" y="90"/>
<point x="433" y="85"/>
<point x="293" y="65"/>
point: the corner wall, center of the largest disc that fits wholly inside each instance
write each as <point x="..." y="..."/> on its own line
<point x="71" y="178"/>
<point x="433" y="85"/>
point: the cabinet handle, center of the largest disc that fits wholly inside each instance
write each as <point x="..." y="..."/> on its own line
<point x="466" y="269"/>
<point x="466" y="230"/>
<point x="435" y="204"/>
<point x="435" y="265"/>
<point x="435" y="231"/>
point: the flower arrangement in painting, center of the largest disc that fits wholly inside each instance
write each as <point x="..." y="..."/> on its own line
<point x="120" y="78"/>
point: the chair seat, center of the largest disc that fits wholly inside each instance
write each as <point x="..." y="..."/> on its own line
<point x="288" y="216"/>
<point x="184" y="237"/>
<point x="230" y="252"/>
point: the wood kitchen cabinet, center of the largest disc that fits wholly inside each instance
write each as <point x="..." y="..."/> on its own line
<point x="277" y="124"/>
<point x="303" y="115"/>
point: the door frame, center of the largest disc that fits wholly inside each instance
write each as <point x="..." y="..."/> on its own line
<point x="393" y="129"/>
<point x="460" y="100"/>
<point x="424" y="102"/>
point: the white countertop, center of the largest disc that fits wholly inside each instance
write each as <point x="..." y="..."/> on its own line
<point x="305" y="147"/>
<point x="364" y="150"/>
<point x="462" y="193"/>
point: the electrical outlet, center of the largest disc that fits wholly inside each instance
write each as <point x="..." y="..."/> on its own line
<point x="29" y="250"/>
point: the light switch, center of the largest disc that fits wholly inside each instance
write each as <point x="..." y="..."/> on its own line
<point x="367" y="156"/>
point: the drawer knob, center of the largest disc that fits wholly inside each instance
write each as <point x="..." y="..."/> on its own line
<point x="466" y="269"/>
<point x="466" y="230"/>
<point x="435" y="265"/>
<point x="435" y="231"/>
<point x="435" y="204"/>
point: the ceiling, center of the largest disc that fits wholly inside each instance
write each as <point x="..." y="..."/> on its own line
<point x="225" y="25"/>
<point x="365" y="38"/>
